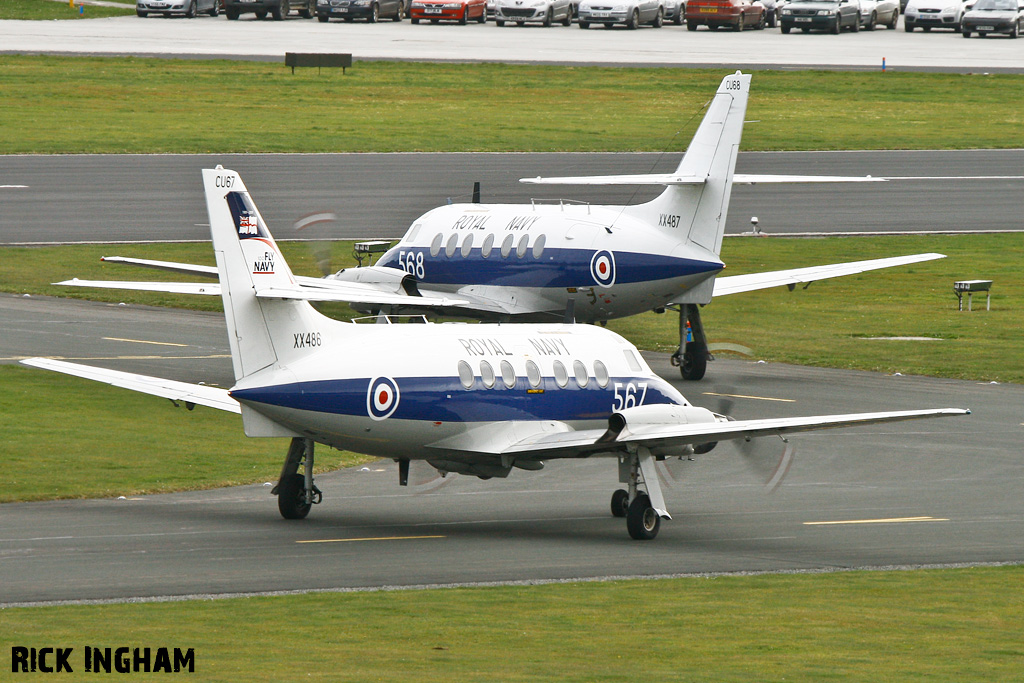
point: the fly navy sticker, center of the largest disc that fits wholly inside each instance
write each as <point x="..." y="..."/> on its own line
<point x="602" y="268"/>
<point x="382" y="398"/>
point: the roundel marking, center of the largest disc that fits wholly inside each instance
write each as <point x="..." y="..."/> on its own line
<point x="602" y="268"/>
<point x="382" y="398"/>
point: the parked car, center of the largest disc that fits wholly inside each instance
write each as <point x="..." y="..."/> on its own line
<point x="825" y="15"/>
<point x="278" y="9"/>
<point x="879" y="12"/>
<point x="929" y="14"/>
<point x="545" y="12"/>
<point x="736" y="14"/>
<point x="675" y="11"/>
<point x="166" y="8"/>
<point x="632" y="13"/>
<point x="448" y="10"/>
<point x="371" y="10"/>
<point x="771" y="8"/>
<point x="993" y="16"/>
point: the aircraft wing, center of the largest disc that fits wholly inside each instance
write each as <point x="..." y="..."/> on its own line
<point x="211" y="397"/>
<point x="734" y="284"/>
<point x="676" y="179"/>
<point x="568" y="443"/>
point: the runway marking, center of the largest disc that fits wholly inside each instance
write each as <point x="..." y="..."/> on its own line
<point x="380" y="538"/>
<point x="894" y="520"/>
<point x="143" y="341"/>
<point x="13" y="187"/>
<point x="755" y="398"/>
<point x="954" y="177"/>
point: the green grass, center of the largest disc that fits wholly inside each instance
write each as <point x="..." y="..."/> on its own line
<point x="934" y="625"/>
<point x="47" y="10"/>
<point x="101" y="105"/>
<point x="66" y="437"/>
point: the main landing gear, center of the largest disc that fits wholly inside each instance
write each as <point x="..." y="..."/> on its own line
<point x="692" y="356"/>
<point x="643" y="511"/>
<point x="295" y="492"/>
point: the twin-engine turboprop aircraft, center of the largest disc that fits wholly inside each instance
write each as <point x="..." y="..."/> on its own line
<point x="567" y="261"/>
<point x="473" y="399"/>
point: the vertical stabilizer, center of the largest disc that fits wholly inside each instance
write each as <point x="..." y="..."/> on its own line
<point x="699" y="210"/>
<point x="260" y="331"/>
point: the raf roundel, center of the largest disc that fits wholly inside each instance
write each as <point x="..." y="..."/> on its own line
<point x="382" y="398"/>
<point x="602" y="268"/>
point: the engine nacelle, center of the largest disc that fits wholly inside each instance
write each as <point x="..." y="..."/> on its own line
<point x="662" y="414"/>
<point x="393" y="279"/>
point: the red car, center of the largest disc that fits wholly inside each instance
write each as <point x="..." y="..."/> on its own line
<point x="448" y="10"/>
<point x="736" y="14"/>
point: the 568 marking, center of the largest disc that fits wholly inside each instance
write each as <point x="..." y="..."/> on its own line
<point x="412" y="263"/>
<point x="626" y="395"/>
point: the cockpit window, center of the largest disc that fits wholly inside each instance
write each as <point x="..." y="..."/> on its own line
<point x="634" y="364"/>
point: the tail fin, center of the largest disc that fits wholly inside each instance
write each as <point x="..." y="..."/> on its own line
<point x="700" y="209"/>
<point x="262" y="331"/>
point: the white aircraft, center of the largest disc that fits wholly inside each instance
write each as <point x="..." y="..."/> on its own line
<point x="475" y="399"/>
<point x="578" y="262"/>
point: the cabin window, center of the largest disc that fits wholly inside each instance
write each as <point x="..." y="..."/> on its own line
<point x="485" y="250"/>
<point x="524" y="243"/>
<point x="538" y="247"/>
<point x="506" y="246"/>
<point x="561" y="376"/>
<point x="487" y="374"/>
<point x="533" y="374"/>
<point x="435" y="246"/>
<point x="601" y="373"/>
<point x="467" y="246"/>
<point x="453" y="243"/>
<point x="634" y="364"/>
<point x="508" y="374"/>
<point x="580" y="371"/>
<point x="465" y="374"/>
<point x="413" y="231"/>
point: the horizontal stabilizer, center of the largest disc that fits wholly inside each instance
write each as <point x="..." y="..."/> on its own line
<point x="675" y="179"/>
<point x="211" y="397"/>
<point x="734" y="284"/>
<point x="171" y="266"/>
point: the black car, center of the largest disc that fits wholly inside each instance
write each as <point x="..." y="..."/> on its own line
<point x="278" y="9"/>
<point x="824" y="15"/>
<point x="371" y="10"/>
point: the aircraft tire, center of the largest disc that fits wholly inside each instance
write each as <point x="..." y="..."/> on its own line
<point x="695" y="363"/>
<point x="291" y="499"/>
<point x="620" y="503"/>
<point x="641" y="519"/>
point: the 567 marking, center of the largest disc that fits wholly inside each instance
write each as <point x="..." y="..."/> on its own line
<point x="626" y="395"/>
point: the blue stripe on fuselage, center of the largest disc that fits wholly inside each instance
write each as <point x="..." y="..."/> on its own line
<point x="555" y="268"/>
<point x="443" y="399"/>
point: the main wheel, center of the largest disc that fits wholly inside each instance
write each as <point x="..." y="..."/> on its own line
<point x="567" y="21"/>
<point x="641" y="519"/>
<point x="659" y="19"/>
<point x="895" y="19"/>
<point x="191" y="11"/>
<point x="280" y="11"/>
<point x="620" y="503"/>
<point x="291" y="497"/>
<point x="838" y="26"/>
<point x="374" y="14"/>
<point x="399" y="12"/>
<point x="634" y="20"/>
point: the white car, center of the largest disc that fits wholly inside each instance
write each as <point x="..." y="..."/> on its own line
<point x="929" y="14"/>
<point x="994" y="16"/>
<point x="535" y="11"/>
<point x="632" y="13"/>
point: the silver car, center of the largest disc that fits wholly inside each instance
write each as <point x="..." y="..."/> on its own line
<point x="879" y="13"/>
<point x="186" y="8"/>
<point x="545" y="12"/>
<point x="632" y="13"/>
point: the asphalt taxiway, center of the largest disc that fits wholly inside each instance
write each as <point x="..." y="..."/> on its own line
<point x="109" y="198"/>
<point x="943" y="491"/>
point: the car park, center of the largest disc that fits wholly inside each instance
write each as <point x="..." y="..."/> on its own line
<point x="545" y="12"/>
<point x="371" y="10"/>
<point x="631" y="13"/>
<point x="461" y="11"/>
<point x="879" y="13"/>
<point x="278" y="9"/>
<point x="929" y="14"/>
<point x="824" y="15"/>
<point x="734" y="14"/>
<point x="993" y="16"/>
<point x="186" y="8"/>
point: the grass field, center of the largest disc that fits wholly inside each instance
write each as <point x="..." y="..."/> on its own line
<point x="47" y="10"/>
<point x="934" y="625"/>
<point x="70" y="105"/>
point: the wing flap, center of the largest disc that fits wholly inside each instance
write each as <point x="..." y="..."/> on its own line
<point x="211" y="397"/>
